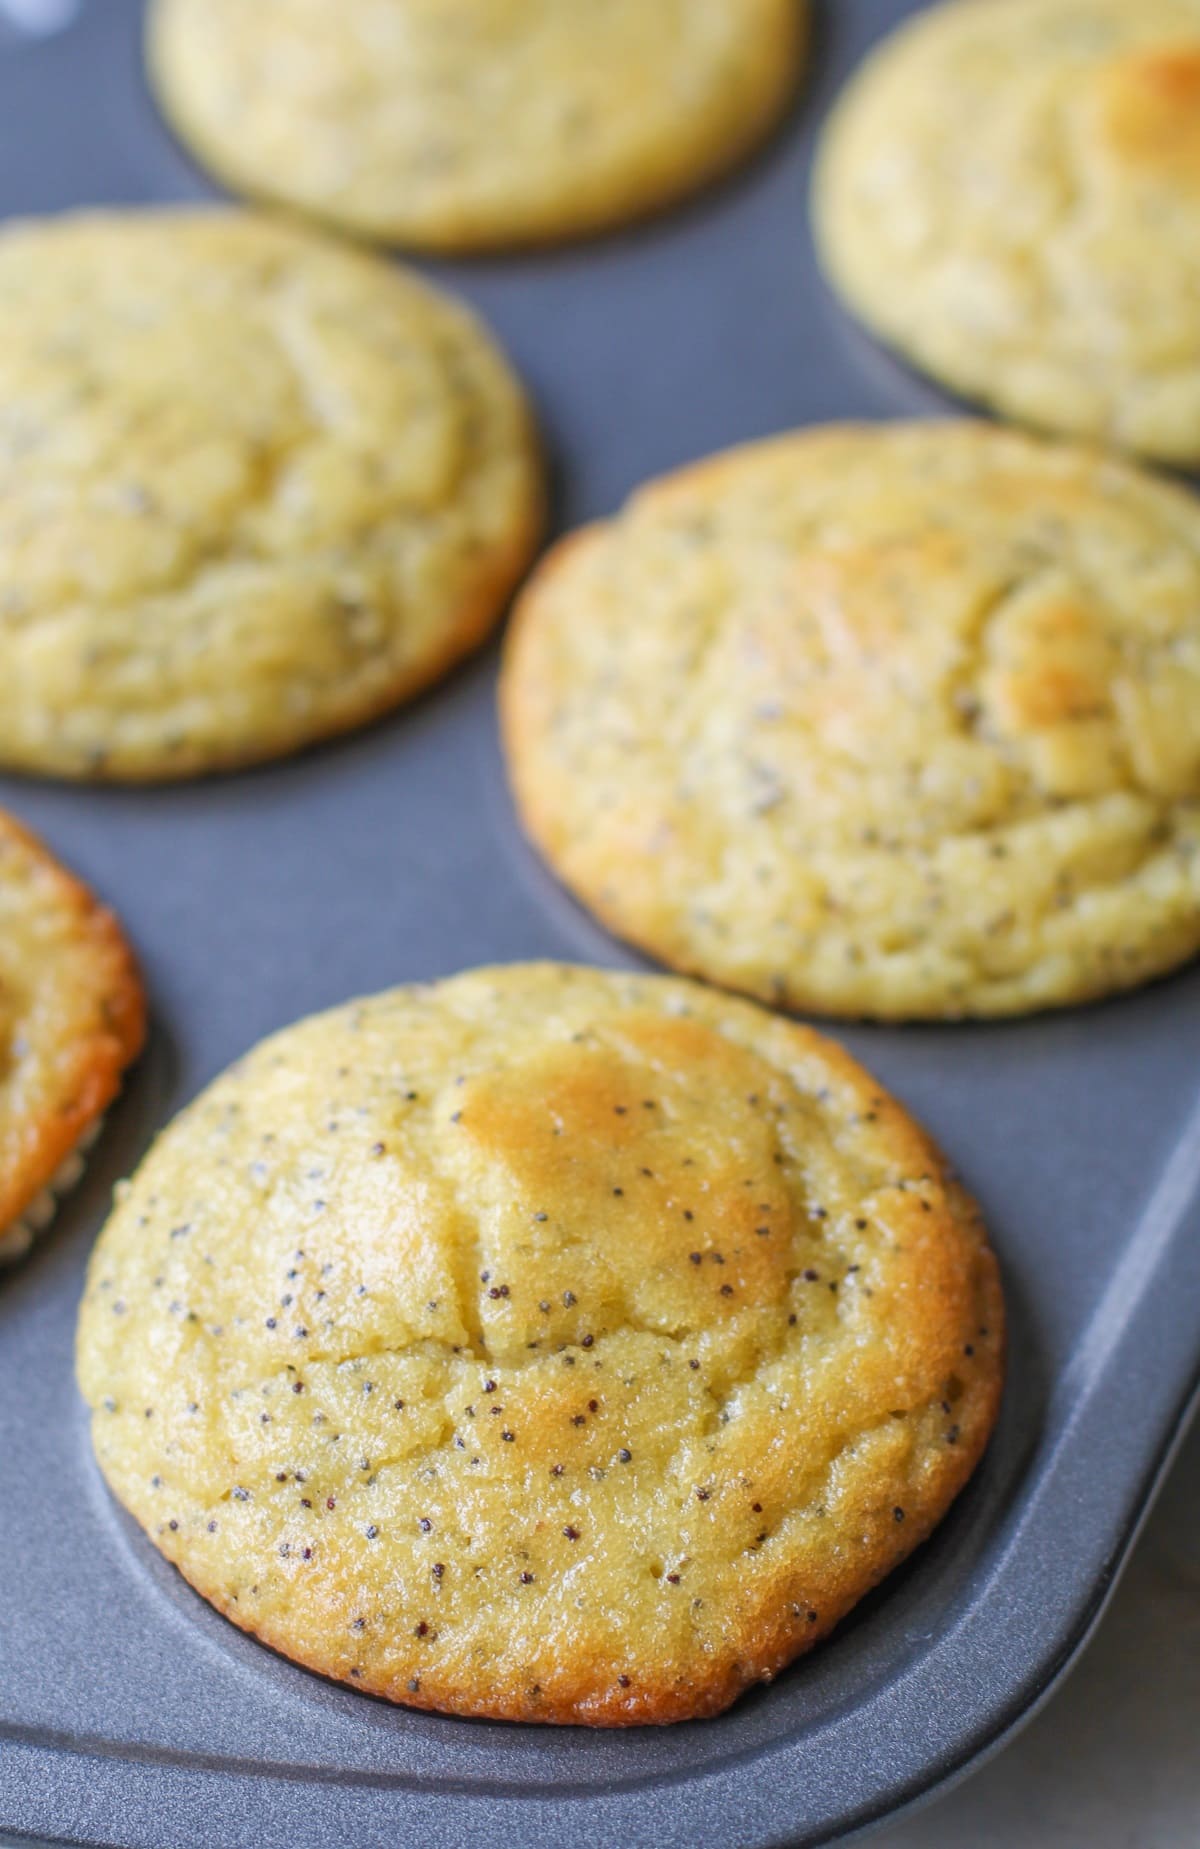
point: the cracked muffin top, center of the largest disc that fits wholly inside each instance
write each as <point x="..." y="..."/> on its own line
<point x="547" y="1343"/>
<point x="1009" y="192"/>
<point x="895" y="720"/>
<point x="456" y="124"/>
<point x="255" y="488"/>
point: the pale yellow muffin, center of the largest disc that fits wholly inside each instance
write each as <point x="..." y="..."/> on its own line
<point x="454" y="124"/>
<point x="548" y="1344"/>
<point x="72" y="1017"/>
<point x="893" y="720"/>
<point x="1009" y="192"/>
<point x="255" y="488"/>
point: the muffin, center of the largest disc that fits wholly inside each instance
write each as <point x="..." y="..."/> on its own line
<point x="72" y="1018"/>
<point x="1009" y="193"/>
<point x="897" y="721"/>
<point x="548" y="1344"/>
<point x="255" y="489"/>
<point x="459" y="124"/>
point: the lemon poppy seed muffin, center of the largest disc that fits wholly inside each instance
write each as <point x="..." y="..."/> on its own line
<point x="255" y="488"/>
<point x="1009" y="193"/>
<point x="72" y="1017"/>
<point x="454" y="124"/>
<point x="547" y="1344"/>
<point x="897" y="720"/>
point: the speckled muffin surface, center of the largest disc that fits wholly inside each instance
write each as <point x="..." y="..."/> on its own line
<point x="896" y="720"/>
<point x="1009" y="192"/>
<point x="255" y="488"/>
<point x="461" y="123"/>
<point x="548" y="1343"/>
<point x="72" y="1018"/>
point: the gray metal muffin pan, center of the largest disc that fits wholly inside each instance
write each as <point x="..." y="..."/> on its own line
<point x="130" y="1713"/>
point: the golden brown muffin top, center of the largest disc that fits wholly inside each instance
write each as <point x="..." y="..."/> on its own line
<point x="548" y="1343"/>
<point x="1010" y="192"/>
<point x="72" y="1015"/>
<point x="893" y="720"/>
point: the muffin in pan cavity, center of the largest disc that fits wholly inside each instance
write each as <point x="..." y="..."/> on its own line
<point x="256" y="488"/>
<point x="547" y="1343"/>
<point x="895" y="720"/>
<point x="72" y="1018"/>
<point x="460" y="124"/>
<point x="1009" y="193"/>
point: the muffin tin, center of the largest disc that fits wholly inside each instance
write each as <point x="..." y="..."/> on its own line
<point x="129" y="1712"/>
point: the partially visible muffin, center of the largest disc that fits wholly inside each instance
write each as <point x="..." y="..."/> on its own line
<point x="454" y="124"/>
<point x="72" y="1018"/>
<point x="1009" y="193"/>
<point x="255" y="488"/>
<point x="549" y="1344"/>
<point x="898" y="720"/>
